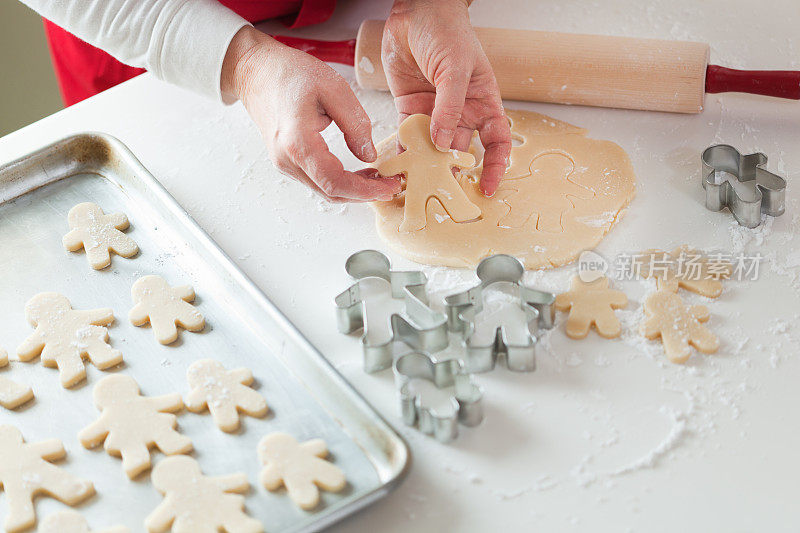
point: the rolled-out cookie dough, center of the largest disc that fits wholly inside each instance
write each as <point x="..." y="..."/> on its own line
<point x="560" y="195"/>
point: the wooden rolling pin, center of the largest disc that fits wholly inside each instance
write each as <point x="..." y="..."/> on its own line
<point x="594" y="70"/>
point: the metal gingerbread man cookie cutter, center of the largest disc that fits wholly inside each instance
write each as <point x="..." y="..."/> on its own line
<point x="462" y="309"/>
<point x="421" y="328"/>
<point x="466" y="408"/>
<point x="748" y="190"/>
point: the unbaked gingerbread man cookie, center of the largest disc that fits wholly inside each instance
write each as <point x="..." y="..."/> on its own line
<point x="429" y="174"/>
<point x="165" y="308"/>
<point x="26" y="471"/>
<point x="195" y="503"/>
<point x="98" y="234"/>
<point x="65" y="337"/>
<point x="590" y="304"/>
<point x="684" y="268"/>
<point x="12" y="394"/>
<point x="224" y="392"/>
<point x="678" y="325"/>
<point x="301" y="468"/>
<point x="131" y="424"/>
<point x="73" y="522"/>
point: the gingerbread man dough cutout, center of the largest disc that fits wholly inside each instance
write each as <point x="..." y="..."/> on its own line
<point x="98" y="234"/>
<point x="131" y="424"/>
<point x="429" y="174"/>
<point x="678" y="325"/>
<point x="165" y="308"/>
<point x="12" y="394"/>
<point x="25" y="471"/>
<point x="684" y="268"/>
<point x="65" y="337"/>
<point x="591" y="304"/>
<point x="224" y="392"/>
<point x="195" y="503"/>
<point x="552" y="172"/>
<point x="301" y="468"/>
<point x="73" y="522"/>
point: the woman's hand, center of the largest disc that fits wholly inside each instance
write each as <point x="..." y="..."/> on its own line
<point x="292" y="97"/>
<point x="435" y="65"/>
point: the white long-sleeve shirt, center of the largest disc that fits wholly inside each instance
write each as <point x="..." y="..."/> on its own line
<point x="180" y="41"/>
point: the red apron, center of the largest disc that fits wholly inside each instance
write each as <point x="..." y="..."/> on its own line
<point x="83" y="70"/>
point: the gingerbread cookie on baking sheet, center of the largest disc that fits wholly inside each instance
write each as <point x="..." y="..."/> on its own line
<point x="64" y="337"/>
<point x="131" y="424"/>
<point x="98" y="234"/>
<point x="26" y="470"/>
<point x="300" y="467"/>
<point x="195" y="503"/>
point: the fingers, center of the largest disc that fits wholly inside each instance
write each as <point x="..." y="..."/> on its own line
<point x="495" y="136"/>
<point x="311" y="154"/>
<point x="342" y="106"/>
<point x="451" y="90"/>
<point x="462" y="138"/>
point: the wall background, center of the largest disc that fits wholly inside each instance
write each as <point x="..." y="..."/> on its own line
<point x="28" y="88"/>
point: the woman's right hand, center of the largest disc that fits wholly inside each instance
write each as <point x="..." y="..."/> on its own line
<point x="292" y="97"/>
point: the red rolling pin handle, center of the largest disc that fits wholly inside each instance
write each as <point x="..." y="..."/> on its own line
<point x="778" y="83"/>
<point x="343" y="52"/>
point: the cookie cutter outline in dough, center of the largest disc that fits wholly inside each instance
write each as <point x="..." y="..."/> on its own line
<point x="769" y="194"/>
<point x="463" y="307"/>
<point x="424" y="329"/>
<point x="467" y="398"/>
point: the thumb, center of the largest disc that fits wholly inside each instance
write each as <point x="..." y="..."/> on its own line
<point x="451" y="90"/>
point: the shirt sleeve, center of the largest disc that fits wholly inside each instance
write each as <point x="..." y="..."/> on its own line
<point x="180" y="41"/>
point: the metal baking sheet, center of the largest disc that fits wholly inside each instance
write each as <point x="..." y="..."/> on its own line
<point x="306" y="396"/>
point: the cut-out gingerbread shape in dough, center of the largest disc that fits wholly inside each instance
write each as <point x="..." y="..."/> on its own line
<point x="684" y="268"/>
<point x="590" y="304"/>
<point x="12" y="394"/>
<point x="678" y="325"/>
<point x="545" y="210"/>
<point x="65" y="337"/>
<point x="73" y="522"/>
<point x="195" y="503"/>
<point x="224" y="392"/>
<point x="26" y="471"/>
<point x="601" y="168"/>
<point x="301" y="468"/>
<point x="165" y="308"/>
<point x="131" y="424"/>
<point x="98" y="234"/>
<point x="429" y="174"/>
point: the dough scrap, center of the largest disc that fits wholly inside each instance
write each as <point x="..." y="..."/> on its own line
<point x="594" y="179"/>
<point x="98" y="234"/>
<point x="65" y="337"/>
<point x="429" y="174"/>
<point x="12" y="394"/>
<point x="165" y="308"/>
<point x="26" y="471"/>
<point x="131" y="424"/>
<point x="73" y="522"/>
<point x="196" y="503"/>
<point x="224" y="392"/>
<point x="684" y="268"/>
<point x="591" y="304"/>
<point x="678" y="325"/>
<point x="300" y="467"/>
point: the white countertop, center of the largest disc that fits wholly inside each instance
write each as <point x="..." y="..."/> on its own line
<point x="605" y="435"/>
